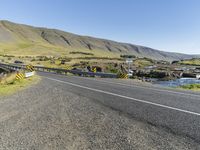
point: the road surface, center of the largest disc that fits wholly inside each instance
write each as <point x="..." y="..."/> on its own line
<point x="87" y="113"/>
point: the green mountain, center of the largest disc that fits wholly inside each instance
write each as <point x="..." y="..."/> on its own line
<point x="18" y="39"/>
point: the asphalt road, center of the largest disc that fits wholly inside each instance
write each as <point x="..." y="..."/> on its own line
<point x="174" y="110"/>
<point x="87" y="113"/>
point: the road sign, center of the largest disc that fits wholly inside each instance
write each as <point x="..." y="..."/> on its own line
<point x="19" y="76"/>
<point x="30" y="68"/>
<point x="129" y="61"/>
<point x="94" y="69"/>
<point x="123" y="75"/>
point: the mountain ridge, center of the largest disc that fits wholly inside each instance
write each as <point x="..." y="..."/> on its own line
<point x="27" y="38"/>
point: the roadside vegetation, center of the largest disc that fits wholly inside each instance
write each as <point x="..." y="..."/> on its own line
<point x="81" y="60"/>
<point x="9" y="85"/>
<point x="143" y="62"/>
<point x="143" y="68"/>
<point x="195" y="87"/>
<point x="195" y="62"/>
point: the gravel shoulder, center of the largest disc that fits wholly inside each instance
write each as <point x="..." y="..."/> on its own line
<point x="47" y="116"/>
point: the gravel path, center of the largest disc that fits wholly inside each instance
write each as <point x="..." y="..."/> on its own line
<point x="47" y="117"/>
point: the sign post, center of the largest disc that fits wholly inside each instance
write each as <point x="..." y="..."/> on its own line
<point x="129" y="61"/>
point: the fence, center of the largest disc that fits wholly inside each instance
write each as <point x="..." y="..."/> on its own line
<point x="60" y="71"/>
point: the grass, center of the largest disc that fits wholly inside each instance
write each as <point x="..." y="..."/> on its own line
<point x="24" y="45"/>
<point x="43" y="49"/>
<point x="10" y="85"/>
<point x="143" y="62"/>
<point x="83" y="53"/>
<point x="55" y="61"/>
<point x="191" y="62"/>
<point x="195" y="87"/>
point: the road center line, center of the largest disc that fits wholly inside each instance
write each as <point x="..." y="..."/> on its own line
<point x="126" y="97"/>
<point x="151" y="88"/>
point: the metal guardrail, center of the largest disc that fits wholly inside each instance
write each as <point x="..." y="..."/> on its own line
<point x="60" y="71"/>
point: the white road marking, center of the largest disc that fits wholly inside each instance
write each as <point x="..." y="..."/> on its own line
<point x="151" y="88"/>
<point x="126" y="97"/>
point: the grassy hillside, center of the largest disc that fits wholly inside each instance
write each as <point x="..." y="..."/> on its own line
<point x="23" y="40"/>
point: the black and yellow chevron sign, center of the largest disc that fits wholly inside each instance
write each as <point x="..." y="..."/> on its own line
<point x="123" y="76"/>
<point x="19" y="76"/>
<point x="30" y="68"/>
<point x="94" y="70"/>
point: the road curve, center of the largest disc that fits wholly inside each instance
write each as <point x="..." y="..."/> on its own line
<point x="66" y="112"/>
<point x="174" y="110"/>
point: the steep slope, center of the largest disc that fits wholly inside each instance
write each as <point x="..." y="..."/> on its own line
<point x="22" y="39"/>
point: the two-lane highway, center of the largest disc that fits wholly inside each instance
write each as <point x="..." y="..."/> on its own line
<point x="68" y="112"/>
<point x="177" y="112"/>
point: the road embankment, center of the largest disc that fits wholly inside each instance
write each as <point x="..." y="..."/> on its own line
<point x="9" y="84"/>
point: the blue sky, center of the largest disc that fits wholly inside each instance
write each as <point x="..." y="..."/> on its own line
<point x="170" y="25"/>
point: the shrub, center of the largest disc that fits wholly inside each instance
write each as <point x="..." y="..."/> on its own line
<point x="83" y="53"/>
<point x="127" y="56"/>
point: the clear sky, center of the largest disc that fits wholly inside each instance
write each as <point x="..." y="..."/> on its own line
<point x="170" y="25"/>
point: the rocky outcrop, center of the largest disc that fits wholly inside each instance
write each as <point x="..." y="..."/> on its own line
<point x="162" y="75"/>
